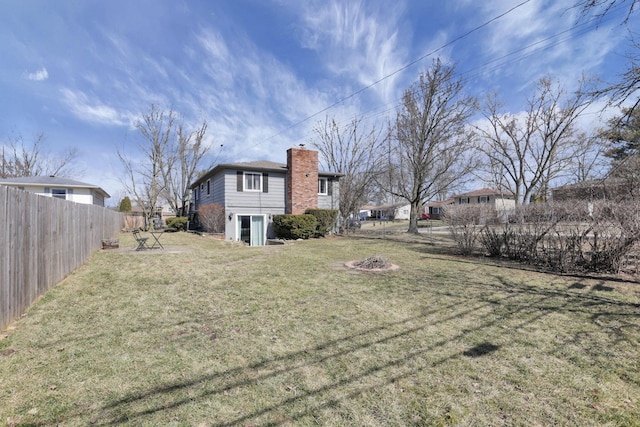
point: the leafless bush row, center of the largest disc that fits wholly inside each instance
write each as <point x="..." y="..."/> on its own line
<point x="566" y="237"/>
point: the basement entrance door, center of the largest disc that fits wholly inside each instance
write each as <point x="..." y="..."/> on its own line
<point x="251" y="229"/>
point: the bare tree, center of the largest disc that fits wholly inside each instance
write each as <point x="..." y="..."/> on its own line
<point x="144" y="177"/>
<point x="600" y="8"/>
<point x="20" y="160"/>
<point x="590" y="160"/>
<point x="430" y="148"/>
<point x="186" y="154"/>
<point x="352" y="150"/>
<point x="169" y="157"/>
<point x="629" y="83"/>
<point x="525" y="152"/>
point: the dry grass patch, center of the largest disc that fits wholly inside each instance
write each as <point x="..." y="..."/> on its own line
<point x="229" y="335"/>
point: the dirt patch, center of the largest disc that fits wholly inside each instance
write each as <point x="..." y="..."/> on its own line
<point x="373" y="263"/>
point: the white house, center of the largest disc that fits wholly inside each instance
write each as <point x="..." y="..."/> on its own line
<point x="62" y="188"/>
<point x="401" y="210"/>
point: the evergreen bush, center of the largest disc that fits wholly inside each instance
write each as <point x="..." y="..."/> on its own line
<point x="289" y="226"/>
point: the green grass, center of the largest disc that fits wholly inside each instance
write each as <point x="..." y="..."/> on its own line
<point x="211" y="333"/>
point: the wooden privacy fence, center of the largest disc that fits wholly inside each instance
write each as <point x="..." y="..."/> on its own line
<point x="42" y="240"/>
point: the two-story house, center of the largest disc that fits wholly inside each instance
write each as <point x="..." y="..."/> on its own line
<point x="252" y="192"/>
<point x="61" y="188"/>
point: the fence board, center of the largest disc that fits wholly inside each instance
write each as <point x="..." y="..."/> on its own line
<point x="42" y="240"/>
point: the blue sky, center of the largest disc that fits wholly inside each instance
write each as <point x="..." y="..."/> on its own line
<point x="262" y="72"/>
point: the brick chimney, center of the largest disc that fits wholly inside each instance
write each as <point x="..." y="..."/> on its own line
<point x="302" y="180"/>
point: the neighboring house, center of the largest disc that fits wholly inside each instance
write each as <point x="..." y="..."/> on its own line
<point x="62" y="188"/>
<point x="435" y="209"/>
<point x="503" y="203"/>
<point x="252" y="192"/>
<point x="365" y="212"/>
<point x="600" y="189"/>
<point x="391" y="211"/>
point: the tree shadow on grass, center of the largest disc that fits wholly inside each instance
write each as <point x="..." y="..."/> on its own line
<point x="521" y="305"/>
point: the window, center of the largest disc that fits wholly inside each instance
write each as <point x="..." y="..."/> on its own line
<point x="483" y="199"/>
<point x="322" y="186"/>
<point x="59" y="193"/>
<point x="252" y="181"/>
<point x="208" y="187"/>
<point x="464" y="200"/>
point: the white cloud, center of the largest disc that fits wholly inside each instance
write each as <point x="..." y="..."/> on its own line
<point x="38" y="76"/>
<point x="357" y="41"/>
<point x="94" y="111"/>
<point x="251" y="97"/>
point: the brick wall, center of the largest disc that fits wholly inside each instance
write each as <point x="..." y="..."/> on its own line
<point x="302" y="180"/>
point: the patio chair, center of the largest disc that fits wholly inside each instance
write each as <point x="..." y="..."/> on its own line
<point x="142" y="241"/>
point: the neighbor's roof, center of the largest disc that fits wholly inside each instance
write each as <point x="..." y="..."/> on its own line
<point x="486" y="192"/>
<point x="255" y="166"/>
<point x="50" y="181"/>
<point x="440" y="203"/>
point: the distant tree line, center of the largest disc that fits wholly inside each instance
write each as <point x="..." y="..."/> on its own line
<point x="21" y="159"/>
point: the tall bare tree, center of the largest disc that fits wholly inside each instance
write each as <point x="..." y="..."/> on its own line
<point x="167" y="161"/>
<point x="430" y="147"/>
<point x="186" y="154"/>
<point x="352" y="150"/>
<point x="144" y="175"/>
<point x="524" y="152"/>
<point x="20" y="160"/>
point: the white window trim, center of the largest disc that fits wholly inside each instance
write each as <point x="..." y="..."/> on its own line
<point x="244" y="181"/>
<point x="326" y="186"/>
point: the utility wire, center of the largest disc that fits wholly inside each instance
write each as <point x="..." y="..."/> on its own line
<point x="509" y="58"/>
<point x="415" y="61"/>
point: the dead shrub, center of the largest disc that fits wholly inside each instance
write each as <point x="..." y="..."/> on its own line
<point x="212" y="217"/>
<point x="466" y="223"/>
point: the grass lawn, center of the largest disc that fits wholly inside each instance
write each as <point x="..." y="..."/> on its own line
<point x="211" y="333"/>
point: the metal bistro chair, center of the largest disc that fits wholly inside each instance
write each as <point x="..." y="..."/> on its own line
<point x="142" y="241"/>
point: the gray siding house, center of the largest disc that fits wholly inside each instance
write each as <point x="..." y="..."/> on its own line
<point x="253" y="192"/>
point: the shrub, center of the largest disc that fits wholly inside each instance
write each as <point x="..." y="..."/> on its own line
<point x="326" y="219"/>
<point x="294" y="226"/>
<point x="571" y="236"/>
<point x="493" y="240"/>
<point x="125" y="205"/>
<point x="212" y="217"/>
<point x="464" y="221"/>
<point x="177" y="222"/>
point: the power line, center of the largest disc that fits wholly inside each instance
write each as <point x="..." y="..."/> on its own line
<point x="359" y="91"/>
<point x="509" y="58"/>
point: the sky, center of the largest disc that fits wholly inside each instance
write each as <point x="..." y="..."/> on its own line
<point x="263" y="73"/>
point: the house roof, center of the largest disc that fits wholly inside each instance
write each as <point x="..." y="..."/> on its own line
<point x="255" y="166"/>
<point x="390" y="206"/>
<point x="440" y="203"/>
<point x="486" y="192"/>
<point x="51" y="181"/>
<point x="592" y="183"/>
